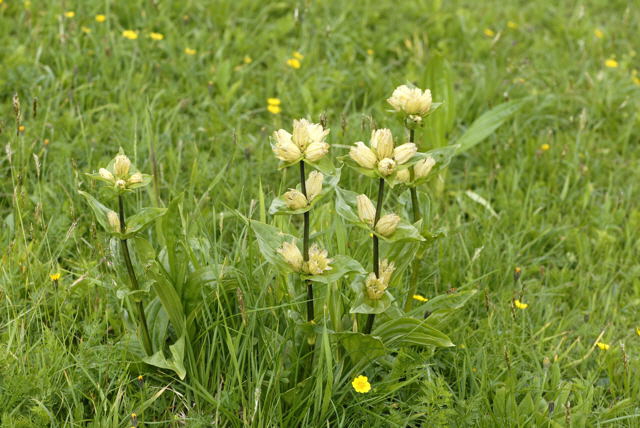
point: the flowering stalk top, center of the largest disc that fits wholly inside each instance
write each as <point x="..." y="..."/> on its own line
<point x="121" y="175"/>
<point x="414" y="103"/>
<point x="307" y="142"/>
<point x="317" y="264"/>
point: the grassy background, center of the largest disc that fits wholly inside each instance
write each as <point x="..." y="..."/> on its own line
<point x="567" y="215"/>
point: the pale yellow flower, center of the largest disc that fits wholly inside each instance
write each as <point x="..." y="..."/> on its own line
<point x="363" y="155"/>
<point x="423" y="167"/>
<point x="114" y="221"/>
<point x="247" y="59"/>
<point x="386" y="166"/>
<point x="314" y="185"/>
<point x="295" y="199"/>
<point x="318" y="261"/>
<point x="298" y="55"/>
<point x="387" y="225"/>
<point x="366" y="210"/>
<point x="512" y="25"/>
<point x="190" y="51"/>
<point x="101" y="18"/>
<point x="411" y="101"/>
<point x="598" y="33"/>
<point x="156" y="36"/>
<point x="121" y="166"/>
<point x="489" y="32"/>
<point x="292" y="255"/>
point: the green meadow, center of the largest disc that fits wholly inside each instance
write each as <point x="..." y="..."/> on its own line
<point x="515" y="299"/>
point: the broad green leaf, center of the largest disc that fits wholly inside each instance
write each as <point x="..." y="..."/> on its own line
<point x="142" y="219"/>
<point x="100" y="211"/>
<point x="270" y="240"/>
<point x="175" y="362"/>
<point x="486" y="124"/>
<point x="410" y="331"/>
<point x="362" y="348"/>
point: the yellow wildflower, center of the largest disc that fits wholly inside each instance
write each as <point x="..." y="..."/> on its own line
<point x="298" y="55"/>
<point x="294" y="63"/>
<point x="190" y="51"/>
<point x="156" y="36"/>
<point x="512" y="25"/>
<point x="638" y="331"/>
<point x="21" y="128"/>
<point x="275" y="109"/>
<point x="598" y="33"/>
<point x="634" y="77"/>
<point x="361" y="384"/>
<point x="130" y="34"/>
<point x="273" y="101"/>
<point x="420" y="298"/>
<point x="101" y="18"/>
<point x="86" y="30"/>
<point x="489" y="32"/>
<point x="518" y="304"/>
<point x="55" y="276"/>
<point x="611" y="63"/>
<point x="545" y="147"/>
<point x="247" y="59"/>
<point x="603" y="346"/>
<point x="70" y="14"/>
<point x="370" y="52"/>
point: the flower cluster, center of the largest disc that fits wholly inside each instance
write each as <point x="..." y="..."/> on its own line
<point x="121" y="174"/>
<point x="376" y="285"/>
<point x="385" y="226"/>
<point x="414" y="103"/>
<point x="307" y="142"/>
<point x="317" y="264"/>
<point x="421" y="169"/>
<point x="381" y="155"/>
<point x="296" y="200"/>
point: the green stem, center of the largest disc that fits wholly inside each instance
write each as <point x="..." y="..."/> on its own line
<point x="135" y="286"/>
<point x="305" y="247"/>
<point x="376" y="251"/>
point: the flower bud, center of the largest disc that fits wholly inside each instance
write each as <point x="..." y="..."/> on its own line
<point x="292" y="255"/>
<point x="363" y="155"/>
<point x="121" y="166"/>
<point x="135" y="178"/>
<point x="387" y="224"/>
<point x="366" y="210"/>
<point x="318" y="261"/>
<point x="382" y="143"/>
<point x="316" y="151"/>
<point x="403" y="176"/>
<point x="423" y="167"/>
<point x="284" y="149"/>
<point x="386" y="166"/>
<point x="411" y="101"/>
<point x="295" y="200"/>
<point x="374" y="287"/>
<point x="121" y="184"/>
<point x="104" y="173"/>
<point x="404" y="152"/>
<point x="114" y="221"/>
<point x="314" y="185"/>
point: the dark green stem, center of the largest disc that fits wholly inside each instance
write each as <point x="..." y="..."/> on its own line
<point x="305" y="246"/>
<point x="413" y="287"/>
<point x="376" y="252"/>
<point x="135" y="286"/>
